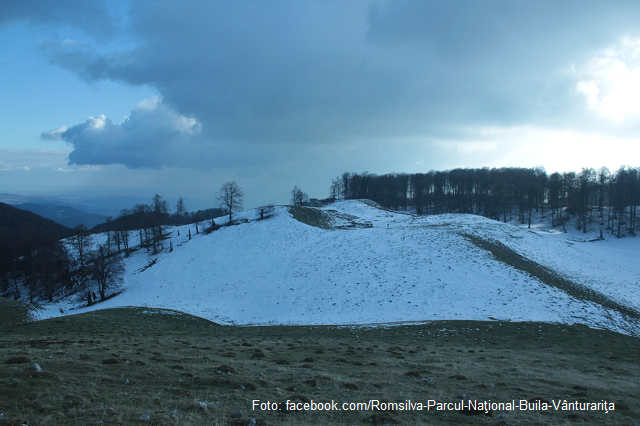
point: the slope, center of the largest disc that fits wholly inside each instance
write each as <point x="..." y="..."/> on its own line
<point x="361" y="264"/>
<point x="64" y="215"/>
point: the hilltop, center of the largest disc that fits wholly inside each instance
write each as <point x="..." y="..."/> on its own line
<point x="353" y="262"/>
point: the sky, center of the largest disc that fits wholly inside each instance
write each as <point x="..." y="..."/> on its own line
<point x="133" y="98"/>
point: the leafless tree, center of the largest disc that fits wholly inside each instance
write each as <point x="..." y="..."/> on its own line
<point x="160" y="213"/>
<point x="81" y="241"/>
<point x="298" y="196"/>
<point x="124" y="232"/>
<point x="107" y="270"/>
<point x="231" y="198"/>
<point x="181" y="210"/>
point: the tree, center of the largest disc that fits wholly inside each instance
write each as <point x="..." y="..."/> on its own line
<point x="81" y="241"/>
<point x="160" y="213"/>
<point x="181" y="210"/>
<point x="298" y="196"/>
<point x="124" y="233"/>
<point x="230" y="198"/>
<point x="107" y="270"/>
<point x="140" y="215"/>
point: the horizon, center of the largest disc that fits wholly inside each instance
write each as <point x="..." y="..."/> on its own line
<point x="120" y="99"/>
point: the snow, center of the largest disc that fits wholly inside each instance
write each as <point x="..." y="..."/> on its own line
<point x="402" y="268"/>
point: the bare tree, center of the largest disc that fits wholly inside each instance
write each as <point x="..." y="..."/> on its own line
<point x="107" y="270"/>
<point x="124" y="233"/>
<point x="160" y="213"/>
<point x="298" y="196"/>
<point x="181" y="210"/>
<point x="81" y="241"/>
<point x="230" y="198"/>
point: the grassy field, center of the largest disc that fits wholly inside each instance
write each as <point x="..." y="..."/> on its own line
<point x="145" y="366"/>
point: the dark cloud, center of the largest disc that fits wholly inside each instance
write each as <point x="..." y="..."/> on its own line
<point x="260" y="74"/>
<point x="91" y="16"/>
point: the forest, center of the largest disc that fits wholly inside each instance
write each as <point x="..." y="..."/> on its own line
<point x="43" y="258"/>
<point x="591" y="197"/>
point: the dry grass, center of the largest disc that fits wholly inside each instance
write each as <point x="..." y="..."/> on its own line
<point x="117" y="365"/>
<point x="13" y="312"/>
<point x="311" y="216"/>
<point x="508" y="256"/>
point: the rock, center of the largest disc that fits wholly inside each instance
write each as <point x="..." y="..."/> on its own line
<point x="175" y="414"/>
<point x="37" y="368"/>
<point x="238" y="414"/>
<point x="94" y="414"/>
<point x="252" y="422"/>
<point x="126" y="382"/>
<point x="145" y="416"/>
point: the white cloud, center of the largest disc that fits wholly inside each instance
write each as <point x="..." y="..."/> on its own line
<point x="610" y="81"/>
<point x="31" y="159"/>
<point x="5" y="167"/>
<point x="53" y="135"/>
<point x="154" y="136"/>
<point x="531" y="146"/>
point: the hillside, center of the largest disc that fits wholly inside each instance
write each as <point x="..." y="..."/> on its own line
<point x="354" y="263"/>
<point x="22" y="231"/>
<point x="64" y="215"/>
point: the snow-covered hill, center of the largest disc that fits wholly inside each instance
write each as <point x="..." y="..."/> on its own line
<point x="368" y="265"/>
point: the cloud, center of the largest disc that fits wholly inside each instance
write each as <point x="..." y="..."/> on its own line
<point x="8" y="166"/>
<point x="91" y="16"/>
<point x="309" y="72"/>
<point x="152" y="136"/>
<point x="610" y="81"/>
<point x="32" y="159"/>
<point x="53" y="135"/>
<point x="257" y="84"/>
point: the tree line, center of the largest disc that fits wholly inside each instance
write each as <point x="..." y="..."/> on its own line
<point x="43" y="258"/>
<point x="601" y="197"/>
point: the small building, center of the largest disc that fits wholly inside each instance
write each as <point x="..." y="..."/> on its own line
<point x="314" y="202"/>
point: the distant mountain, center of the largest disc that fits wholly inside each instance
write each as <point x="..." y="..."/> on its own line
<point x="22" y="231"/>
<point x="64" y="215"/>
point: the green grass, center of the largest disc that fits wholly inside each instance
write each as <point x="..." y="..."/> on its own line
<point x="115" y="365"/>
<point x="14" y="312"/>
<point x="508" y="256"/>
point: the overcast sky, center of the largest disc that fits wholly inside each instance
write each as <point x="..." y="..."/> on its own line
<point x="144" y="97"/>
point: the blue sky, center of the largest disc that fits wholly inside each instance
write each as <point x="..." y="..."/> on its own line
<point x="137" y="98"/>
